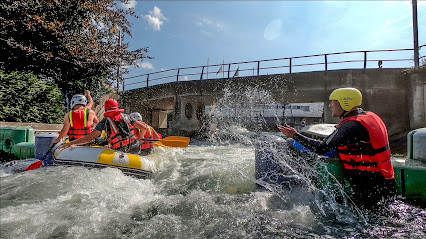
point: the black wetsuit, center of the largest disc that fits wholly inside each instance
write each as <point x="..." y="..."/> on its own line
<point x="368" y="188"/>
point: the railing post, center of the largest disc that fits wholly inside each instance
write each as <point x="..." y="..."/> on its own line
<point x="177" y="76"/>
<point x="289" y="65"/>
<point x="415" y="35"/>
<point x="325" y="63"/>
<point x="258" y="68"/>
<point x="202" y="72"/>
<point x="147" y="80"/>
<point x="365" y="60"/>
<point x="229" y="69"/>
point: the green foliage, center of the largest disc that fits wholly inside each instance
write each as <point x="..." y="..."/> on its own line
<point x="70" y="42"/>
<point x="27" y="98"/>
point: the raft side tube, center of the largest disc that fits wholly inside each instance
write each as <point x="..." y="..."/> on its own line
<point x="138" y="173"/>
<point x="100" y="157"/>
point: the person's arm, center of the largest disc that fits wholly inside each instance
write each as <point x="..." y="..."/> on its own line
<point x="86" y="139"/>
<point x="320" y="147"/>
<point x="155" y="134"/>
<point x="65" y="129"/>
<point x="142" y="128"/>
<point x="95" y="118"/>
<point x="314" y="145"/>
<point x="90" y="102"/>
<point x="351" y="132"/>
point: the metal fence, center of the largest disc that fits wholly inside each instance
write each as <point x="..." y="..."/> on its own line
<point x="321" y="62"/>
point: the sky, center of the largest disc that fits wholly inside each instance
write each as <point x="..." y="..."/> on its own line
<point x="197" y="33"/>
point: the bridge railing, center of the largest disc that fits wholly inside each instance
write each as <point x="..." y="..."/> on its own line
<point x="395" y="58"/>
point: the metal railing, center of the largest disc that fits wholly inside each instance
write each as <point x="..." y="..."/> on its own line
<point x="319" y="62"/>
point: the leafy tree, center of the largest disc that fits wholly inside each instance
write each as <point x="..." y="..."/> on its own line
<point x="25" y="97"/>
<point x="69" y="41"/>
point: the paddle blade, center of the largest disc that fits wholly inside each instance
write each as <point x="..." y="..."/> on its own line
<point x="36" y="165"/>
<point x="179" y="138"/>
<point x="158" y="144"/>
<point x="174" y="141"/>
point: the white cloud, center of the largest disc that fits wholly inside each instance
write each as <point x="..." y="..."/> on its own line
<point x="207" y="26"/>
<point x="186" y="78"/>
<point x="205" y="22"/>
<point x="129" y="4"/>
<point x="147" y="65"/>
<point x="155" y="19"/>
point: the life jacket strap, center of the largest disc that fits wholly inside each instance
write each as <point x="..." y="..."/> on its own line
<point x="369" y="151"/>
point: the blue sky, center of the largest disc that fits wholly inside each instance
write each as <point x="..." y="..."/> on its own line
<point x="190" y="33"/>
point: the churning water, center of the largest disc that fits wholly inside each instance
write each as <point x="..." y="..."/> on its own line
<point x="207" y="190"/>
<point x="203" y="191"/>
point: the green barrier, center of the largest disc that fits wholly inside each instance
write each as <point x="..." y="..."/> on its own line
<point x="14" y="135"/>
<point x="24" y="150"/>
<point x="410" y="176"/>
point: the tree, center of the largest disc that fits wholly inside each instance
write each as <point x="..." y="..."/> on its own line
<point x="68" y="41"/>
<point x="25" y="97"/>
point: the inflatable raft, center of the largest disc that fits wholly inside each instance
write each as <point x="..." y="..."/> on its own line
<point x="100" y="157"/>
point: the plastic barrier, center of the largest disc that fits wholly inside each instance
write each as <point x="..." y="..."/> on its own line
<point x="416" y="144"/>
<point x="43" y="142"/>
<point x="10" y="136"/>
<point x="24" y="150"/>
<point x="274" y="163"/>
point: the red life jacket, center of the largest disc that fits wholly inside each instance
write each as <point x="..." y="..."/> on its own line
<point x="78" y="124"/>
<point x="148" y="135"/>
<point x="122" y="133"/>
<point x="372" y="156"/>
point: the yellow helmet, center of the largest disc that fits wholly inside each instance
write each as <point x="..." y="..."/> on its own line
<point x="347" y="97"/>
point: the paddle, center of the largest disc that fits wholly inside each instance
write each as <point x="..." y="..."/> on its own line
<point x="172" y="141"/>
<point x="41" y="163"/>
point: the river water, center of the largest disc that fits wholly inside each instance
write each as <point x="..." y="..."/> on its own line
<point x="207" y="190"/>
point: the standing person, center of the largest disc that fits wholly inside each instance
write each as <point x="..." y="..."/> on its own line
<point x="79" y="121"/>
<point x="150" y="134"/>
<point x="119" y="130"/>
<point x="361" y="139"/>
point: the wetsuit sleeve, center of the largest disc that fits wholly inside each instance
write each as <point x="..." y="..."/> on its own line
<point x="351" y="132"/>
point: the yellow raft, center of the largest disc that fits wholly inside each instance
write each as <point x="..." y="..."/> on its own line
<point x="100" y="157"/>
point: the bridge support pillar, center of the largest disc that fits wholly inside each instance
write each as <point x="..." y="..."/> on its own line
<point x="417" y="100"/>
<point x="188" y="115"/>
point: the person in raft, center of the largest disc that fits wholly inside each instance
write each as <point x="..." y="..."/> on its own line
<point x="361" y="140"/>
<point x="119" y="131"/>
<point x="150" y="134"/>
<point x="79" y="121"/>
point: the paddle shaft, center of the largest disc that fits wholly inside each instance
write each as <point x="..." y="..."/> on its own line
<point x="48" y="152"/>
<point x="40" y="163"/>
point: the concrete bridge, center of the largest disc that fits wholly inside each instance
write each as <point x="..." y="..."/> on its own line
<point x="397" y="95"/>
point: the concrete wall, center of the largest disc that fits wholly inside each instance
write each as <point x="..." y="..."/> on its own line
<point x="396" y="95"/>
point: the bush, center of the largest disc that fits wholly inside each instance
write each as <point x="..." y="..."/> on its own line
<point x="26" y="97"/>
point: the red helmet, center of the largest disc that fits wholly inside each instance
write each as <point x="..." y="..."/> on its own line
<point x="111" y="104"/>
